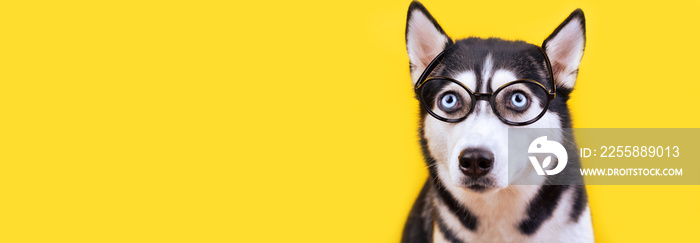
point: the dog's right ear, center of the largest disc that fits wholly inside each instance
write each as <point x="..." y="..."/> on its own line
<point x="425" y="39"/>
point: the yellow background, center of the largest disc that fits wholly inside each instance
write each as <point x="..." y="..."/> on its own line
<point x="201" y="121"/>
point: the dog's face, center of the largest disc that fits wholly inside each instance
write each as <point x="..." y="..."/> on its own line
<point x="473" y="154"/>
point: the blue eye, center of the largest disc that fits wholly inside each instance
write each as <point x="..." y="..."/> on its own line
<point x="449" y="102"/>
<point x="518" y="100"/>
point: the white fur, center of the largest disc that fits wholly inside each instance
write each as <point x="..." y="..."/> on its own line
<point x="501" y="77"/>
<point x="468" y="78"/>
<point x="486" y="72"/>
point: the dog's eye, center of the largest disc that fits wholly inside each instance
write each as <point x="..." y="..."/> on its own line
<point x="449" y="102"/>
<point x="518" y="100"/>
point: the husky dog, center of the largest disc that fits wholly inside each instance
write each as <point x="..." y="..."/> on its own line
<point x="467" y="197"/>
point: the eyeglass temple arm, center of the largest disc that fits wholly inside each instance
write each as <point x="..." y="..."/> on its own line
<point x="428" y="69"/>
<point x="437" y="59"/>
<point x="553" y="92"/>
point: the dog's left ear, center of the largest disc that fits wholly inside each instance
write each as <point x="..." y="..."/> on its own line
<point x="425" y="39"/>
<point x="565" y="49"/>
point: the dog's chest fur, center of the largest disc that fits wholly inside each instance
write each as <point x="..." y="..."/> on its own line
<point x="499" y="217"/>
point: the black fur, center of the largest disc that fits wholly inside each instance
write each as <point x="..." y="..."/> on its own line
<point x="418" y="227"/>
<point x="469" y="54"/>
<point x="580" y="201"/>
<point x="467" y="219"/>
<point x="541" y="208"/>
<point x="446" y="232"/>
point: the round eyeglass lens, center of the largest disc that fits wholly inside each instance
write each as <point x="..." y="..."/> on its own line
<point x="520" y="102"/>
<point x="446" y="98"/>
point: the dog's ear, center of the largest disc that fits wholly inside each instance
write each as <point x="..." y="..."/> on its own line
<point x="425" y="39"/>
<point x="565" y="49"/>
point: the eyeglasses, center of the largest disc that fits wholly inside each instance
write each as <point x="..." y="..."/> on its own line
<point x="518" y="103"/>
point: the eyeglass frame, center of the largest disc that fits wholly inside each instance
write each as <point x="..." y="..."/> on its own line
<point x="490" y="97"/>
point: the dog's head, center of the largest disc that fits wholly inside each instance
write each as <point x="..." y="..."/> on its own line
<point x="471" y="152"/>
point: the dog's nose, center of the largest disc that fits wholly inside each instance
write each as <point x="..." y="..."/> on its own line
<point x="475" y="162"/>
